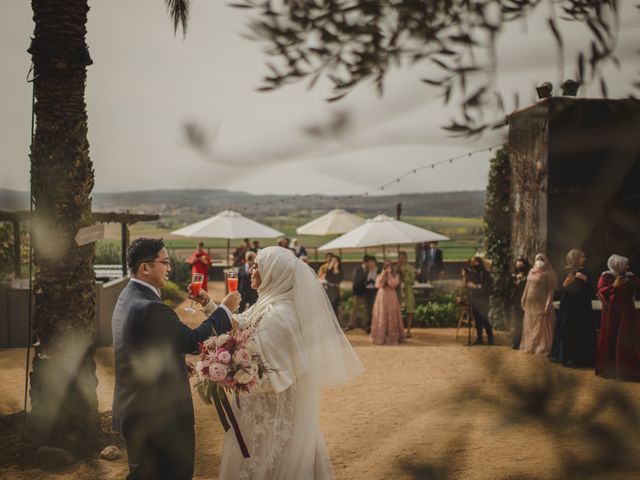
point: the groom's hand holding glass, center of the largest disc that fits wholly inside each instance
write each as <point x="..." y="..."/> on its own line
<point x="231" y="301"/>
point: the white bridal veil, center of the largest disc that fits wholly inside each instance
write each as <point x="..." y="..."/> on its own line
<point x="327" y="355"/>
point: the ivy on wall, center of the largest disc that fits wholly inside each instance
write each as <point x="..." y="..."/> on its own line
<point x="497" y="220"/>
<point x="6" y="250"/>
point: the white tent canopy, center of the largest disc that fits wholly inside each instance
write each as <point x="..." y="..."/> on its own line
<point x="229" y="225"/>
<point x="335" y="222"/>
<point x="382" y="230"/>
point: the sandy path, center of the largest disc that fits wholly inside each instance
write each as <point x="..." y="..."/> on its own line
<point x="405" y="409"/>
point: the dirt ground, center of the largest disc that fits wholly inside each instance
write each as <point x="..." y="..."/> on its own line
<point x="430" y="409"/>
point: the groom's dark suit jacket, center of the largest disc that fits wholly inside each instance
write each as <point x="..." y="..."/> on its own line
<point x="152" y="381"/>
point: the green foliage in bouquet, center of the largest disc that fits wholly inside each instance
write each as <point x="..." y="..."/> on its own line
<point x="498" y="220"/>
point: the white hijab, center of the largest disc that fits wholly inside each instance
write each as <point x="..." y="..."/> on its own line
<point x="289" y="282"/>
<point x="617" y="264"/>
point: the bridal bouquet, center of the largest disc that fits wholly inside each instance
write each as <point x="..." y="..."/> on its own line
<point x="229" y="361"/>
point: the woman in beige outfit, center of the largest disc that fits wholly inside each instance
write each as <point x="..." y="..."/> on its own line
<point x="537" y="303"/>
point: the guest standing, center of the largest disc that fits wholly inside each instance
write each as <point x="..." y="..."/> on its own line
<point x="386" y="327"/>
<point x="333" y="278"/>
<point x="249" y="295"/>
<point x="575" y="334"/>
<point x="479" y="285"/>
<point x="518" y="281"/>
<point x="358" y="291"/>
<point x="537" y="302"/>
<point x="322" y="271"/>
<point x="618" y="345"/>
<point x="407" y="297"/>
<point x="200" y="263"/>
<point x="429" y="262"/>
<point x="370" y="290"/>
<point x="298" y="248"/>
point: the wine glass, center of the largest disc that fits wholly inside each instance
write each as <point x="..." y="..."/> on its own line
<point x="232" y="280"/>
<point x="194" y="290"/>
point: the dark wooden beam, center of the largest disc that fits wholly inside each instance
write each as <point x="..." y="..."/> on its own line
<point x="125" y="245"/>
<point x="16" y="249"/>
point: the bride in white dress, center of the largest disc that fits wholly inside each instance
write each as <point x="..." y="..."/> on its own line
<point x="301" y="343"/>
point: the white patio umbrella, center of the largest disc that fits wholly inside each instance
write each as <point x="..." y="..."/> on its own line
<point x="229" y="225"/>
<point x="380" y="231"/>
<point x="335" y="222"/>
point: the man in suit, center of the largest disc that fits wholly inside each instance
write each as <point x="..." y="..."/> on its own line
<point x="152" y="405"/>
<point x="358" y="289"/>
<point x="249" y="295"/>
<point x="429" y="262"/>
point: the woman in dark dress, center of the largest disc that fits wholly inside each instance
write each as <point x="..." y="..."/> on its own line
<point x="519" y="281"/>
<point x="618" y="345"/>
<point x="333" y="278"/>
<point x="574" y="339"/>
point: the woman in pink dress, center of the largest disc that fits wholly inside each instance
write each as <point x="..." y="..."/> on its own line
<point x="618" y="345"/>
<point x="387" y="327"/>
<point x="539" y="320"/>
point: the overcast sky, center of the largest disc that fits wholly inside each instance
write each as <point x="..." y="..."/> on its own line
<point x="146" y="83"/>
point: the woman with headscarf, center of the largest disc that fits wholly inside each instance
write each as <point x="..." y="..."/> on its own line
<point x="574" y="340"/>
<point x="618" y="345"/>
<point x="300" y="342"/>
<point x="537" y="302"/>
<point x="518" y="282"/>
<point x="386" y="323"/>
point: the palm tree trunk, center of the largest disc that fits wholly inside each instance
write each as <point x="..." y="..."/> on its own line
<point x="63" y="382"/>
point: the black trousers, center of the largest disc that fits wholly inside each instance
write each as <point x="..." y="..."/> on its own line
<point x="162" y="450"/>
<point x="369" y="300"/>
<point x="482" y="321"/>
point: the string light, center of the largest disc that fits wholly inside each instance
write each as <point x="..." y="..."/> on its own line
<point x="381" y="188"/>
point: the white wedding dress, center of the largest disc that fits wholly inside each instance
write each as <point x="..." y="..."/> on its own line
<point x="279" y="419"/>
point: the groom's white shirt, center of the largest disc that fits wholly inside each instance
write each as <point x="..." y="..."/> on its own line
<point x="149" y="286"/>
<point x="208" y="309"/>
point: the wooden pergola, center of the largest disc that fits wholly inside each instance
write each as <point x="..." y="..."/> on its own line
<point x="124" y="219"/>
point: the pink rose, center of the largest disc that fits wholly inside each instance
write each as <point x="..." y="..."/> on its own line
<point x="223" y="356"/>
<point x="217" y="372"/>
<point x="242" y="357"/>
<point x="229" y="382"/>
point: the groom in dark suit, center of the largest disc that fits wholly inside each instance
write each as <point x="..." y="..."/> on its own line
<point x="152" y="405"/>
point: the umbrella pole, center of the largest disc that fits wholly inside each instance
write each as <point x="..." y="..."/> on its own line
<point x="340" y="252"/>
<point x="228" y="251"/>
<point x="384" y="252"/>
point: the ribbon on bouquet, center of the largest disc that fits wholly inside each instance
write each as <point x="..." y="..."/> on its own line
<point x="223" y="407"/>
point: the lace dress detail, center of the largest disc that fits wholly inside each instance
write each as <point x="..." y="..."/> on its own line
<point x="265" y="420"/>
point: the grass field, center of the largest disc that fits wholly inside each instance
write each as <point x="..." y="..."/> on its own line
<point x="465" y="233"/>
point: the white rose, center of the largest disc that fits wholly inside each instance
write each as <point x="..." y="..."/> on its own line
<point x="252" y="347"/>
<point x="221" y="340"/>
<point x="209" y="342"/>
<point x="242" y="357"/>
<point x="243" y="377"/>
